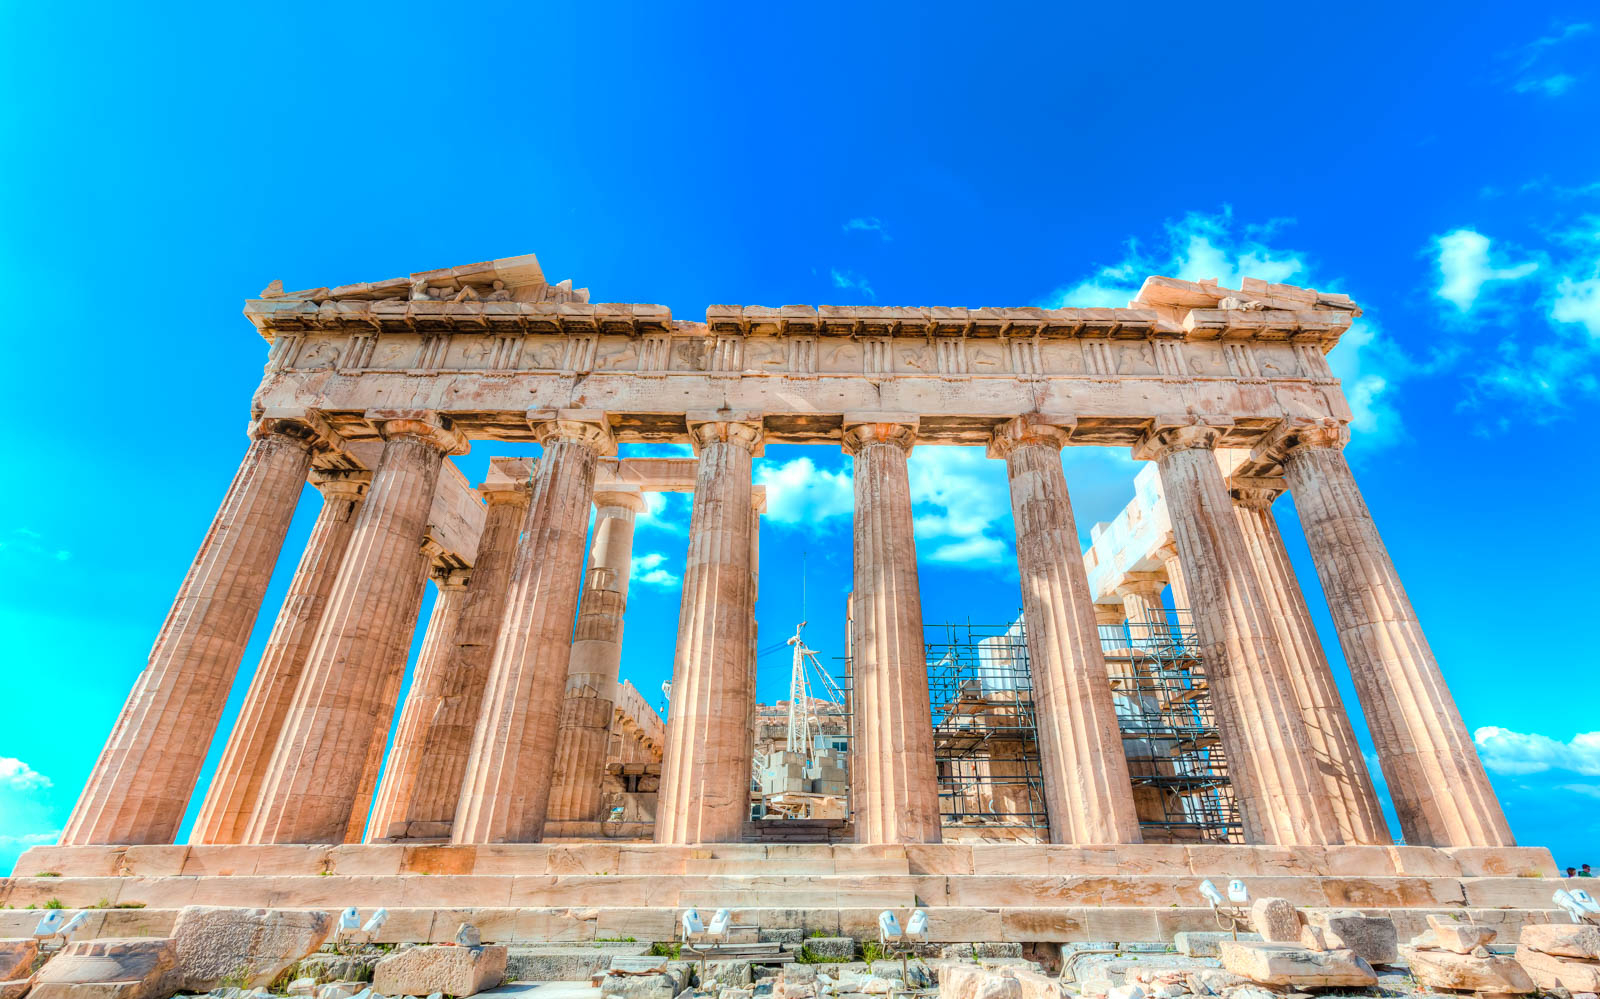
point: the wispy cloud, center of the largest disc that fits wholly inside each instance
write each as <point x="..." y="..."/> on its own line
<point x="18" y="776"/>
<point x="31" y="839"/>
<point x="1465" y="266"/>
<point x="649" y="570"/>
<point x="852" y="281"/>
<point x="867" y="225"/>
<point x="1200" y="246"/>
<point x="1525" y="59"/>
<point x="800" y="493"/>
<point x="1509" y="752"/>
<point x="23" y="545"/>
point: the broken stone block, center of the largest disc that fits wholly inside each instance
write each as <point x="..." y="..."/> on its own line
<point x="799" y="973"/>
<point x="16" y="958"/>
<point x="1313" y="938"/>
<point x="1203" y="943"/>
<point x="114" y="968"/>
<point x="1373" y="938"/>
<point x="216" y="944"/>
<point x="1290" y="964"/>
<point x="15" y="989"/>
<point x="1276" y="919"/>
<point x="455" y="971"/>
<point x="1212" y="981"/>
<point x="832" y="948"/>
<point x="1550" y="972"/>
<point x="302" y="987"/>
<point x="1576" y="940"/>
<point x="467" y="935"/>
<point x="340" y="990"/>
<point x="1445" y="969"/>
<point x="1458" y="936"/>
<point x="665" y="985"/>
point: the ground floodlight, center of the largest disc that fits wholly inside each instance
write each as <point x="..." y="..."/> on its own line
<point x="1564" y="900"/>
<point x="692" y="923"/>
<point x="1237" y="893"/>
<point x="50" y="925"/>
<point x="888" y="925"/>
<point x="350" y="920"/>
<point x="720" y="921"/>
<point x="376" y="922"/>
<point x="1208" y="891"/>
<point x="1586" y="900"/>
<point x="917" y="925"/>
<point x="74" y="924"/>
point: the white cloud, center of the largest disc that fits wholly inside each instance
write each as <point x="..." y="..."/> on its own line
<point x="854" y="282"/>
<point x="649" y="570"/>
<point x="962" y="501"/>
<point x="21" y="544"/>
<point x="1548" y="86"/>
<point x="18" y="776"/>
<point x="1465" y="266"/>
<point x="1591" y="790"/>
<point x="1201" y="246"/>
<point x="1578" y="301"/>
<point x="798" y="492"/>
<point x="31" y="839"/>
<point x="867" y="225"/>
<point x="1509" y="752"/>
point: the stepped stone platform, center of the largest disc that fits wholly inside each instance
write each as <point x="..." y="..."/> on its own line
<point x="598" y="891"/>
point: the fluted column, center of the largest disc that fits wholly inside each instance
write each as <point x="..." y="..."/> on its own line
<point x="1440" y="791"/>
<point x="705" y="774"/>
<point x="424" y="700"/>
<point x="1173" y="566"/>
<point x="507" y="786"/>
<point x="1086" y="785"/>
<point x="346" y="697"/>
<point x="230" y="802"/>
<point x="1281" y="797"/>
<point x="1141" y="600"/>
<point x="586" y="706"/>
<point x="141" y="784"/>
<point x="1109" y="621"/>
<point x="894" y="784"/>
<point x="1333" y="740"/>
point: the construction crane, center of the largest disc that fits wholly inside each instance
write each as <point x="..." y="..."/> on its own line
<point x="798" y="738"/>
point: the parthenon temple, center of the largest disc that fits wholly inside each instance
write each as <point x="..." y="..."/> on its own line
<point x="1162" y="709"/>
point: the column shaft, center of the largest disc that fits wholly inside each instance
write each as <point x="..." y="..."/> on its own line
<point x="1087" y="790"/>
<point x="1333" y="740"/>
<point x="142" y="782"/>
<point x="895" y="788"/>
<point x="346" y="699"/>
<point x="705" y="774"/>
<point x="586" y="706"/>
<point x="1281" y="797"/>
<point x="1440" y="791"/>
<point x="443" y="766"/>
<point x="230" y="802"/>
<point x="424" y="700"/>
<point x="507" y="787"/>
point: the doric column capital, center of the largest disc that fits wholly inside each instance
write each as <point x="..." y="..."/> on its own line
<point x="451" y="580"/>
<point x="1254" y="492"/>
<point x="1145" y="584"/>
<point x="1300" y="434"/>
<point x="432" y="550"/>
<point x="1030" y="429"/>
<point x="1109" y="614"/>
<point x="341" y="484"/>
<point x="862" y="429"/>
<point x="1164" y="440"/>
<point x="575" y="426"/>
<point x="423" y="424"/>
<point x="629" y="498"/>
<point x="303" y="425"/>
<point x="724" y="428"/>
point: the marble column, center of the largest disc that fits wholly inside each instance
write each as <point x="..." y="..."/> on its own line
<point x="1333" y="740"/>
<point x="424" y="700"/>
<point x="1087" y="791"/>
<point x="1109" y="621"/>
<point x="431" y="812"/>
<point x="346" y="696"/>
<point x="1282" y="799"/>
<point x="389" y="696"/>
<point x="1173" y="566"/>
<point x="705" y="774"/>
<point x="230" y="802"/>
<point x="1141" y="600"/>
<point x="1440" y="790"/>
<point x="507" y="787"/>
<point x="586" y="706"/>
<point x="894" y="782"/>
<point x="142" y="782"/>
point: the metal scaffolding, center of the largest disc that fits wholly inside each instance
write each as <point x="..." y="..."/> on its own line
<point x="1169" y="731"/>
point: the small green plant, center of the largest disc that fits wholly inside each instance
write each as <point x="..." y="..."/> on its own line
<point x="54" y="903"/>
<point x="324" y="874"/>
<point x="601" y="940"/>
<point x="814" y="934"/>
<point x="48" y="874"/>
<point x="872" y="951"/>
<point x="238" y="978"/>
<point x="809" y="956"/>
<point x="104" y="903"/>
<point x="669" y="950"/>
<point x="128" y="905"/>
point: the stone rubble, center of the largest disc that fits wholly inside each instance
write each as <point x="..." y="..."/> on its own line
<point x="1561" y="956"/>
<point x="1453" y="955"/>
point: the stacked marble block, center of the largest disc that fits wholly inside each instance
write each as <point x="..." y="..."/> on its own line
<point x="1325" y="948"/>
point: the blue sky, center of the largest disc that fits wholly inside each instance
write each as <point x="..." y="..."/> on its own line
<point x="1441" y="166"/>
